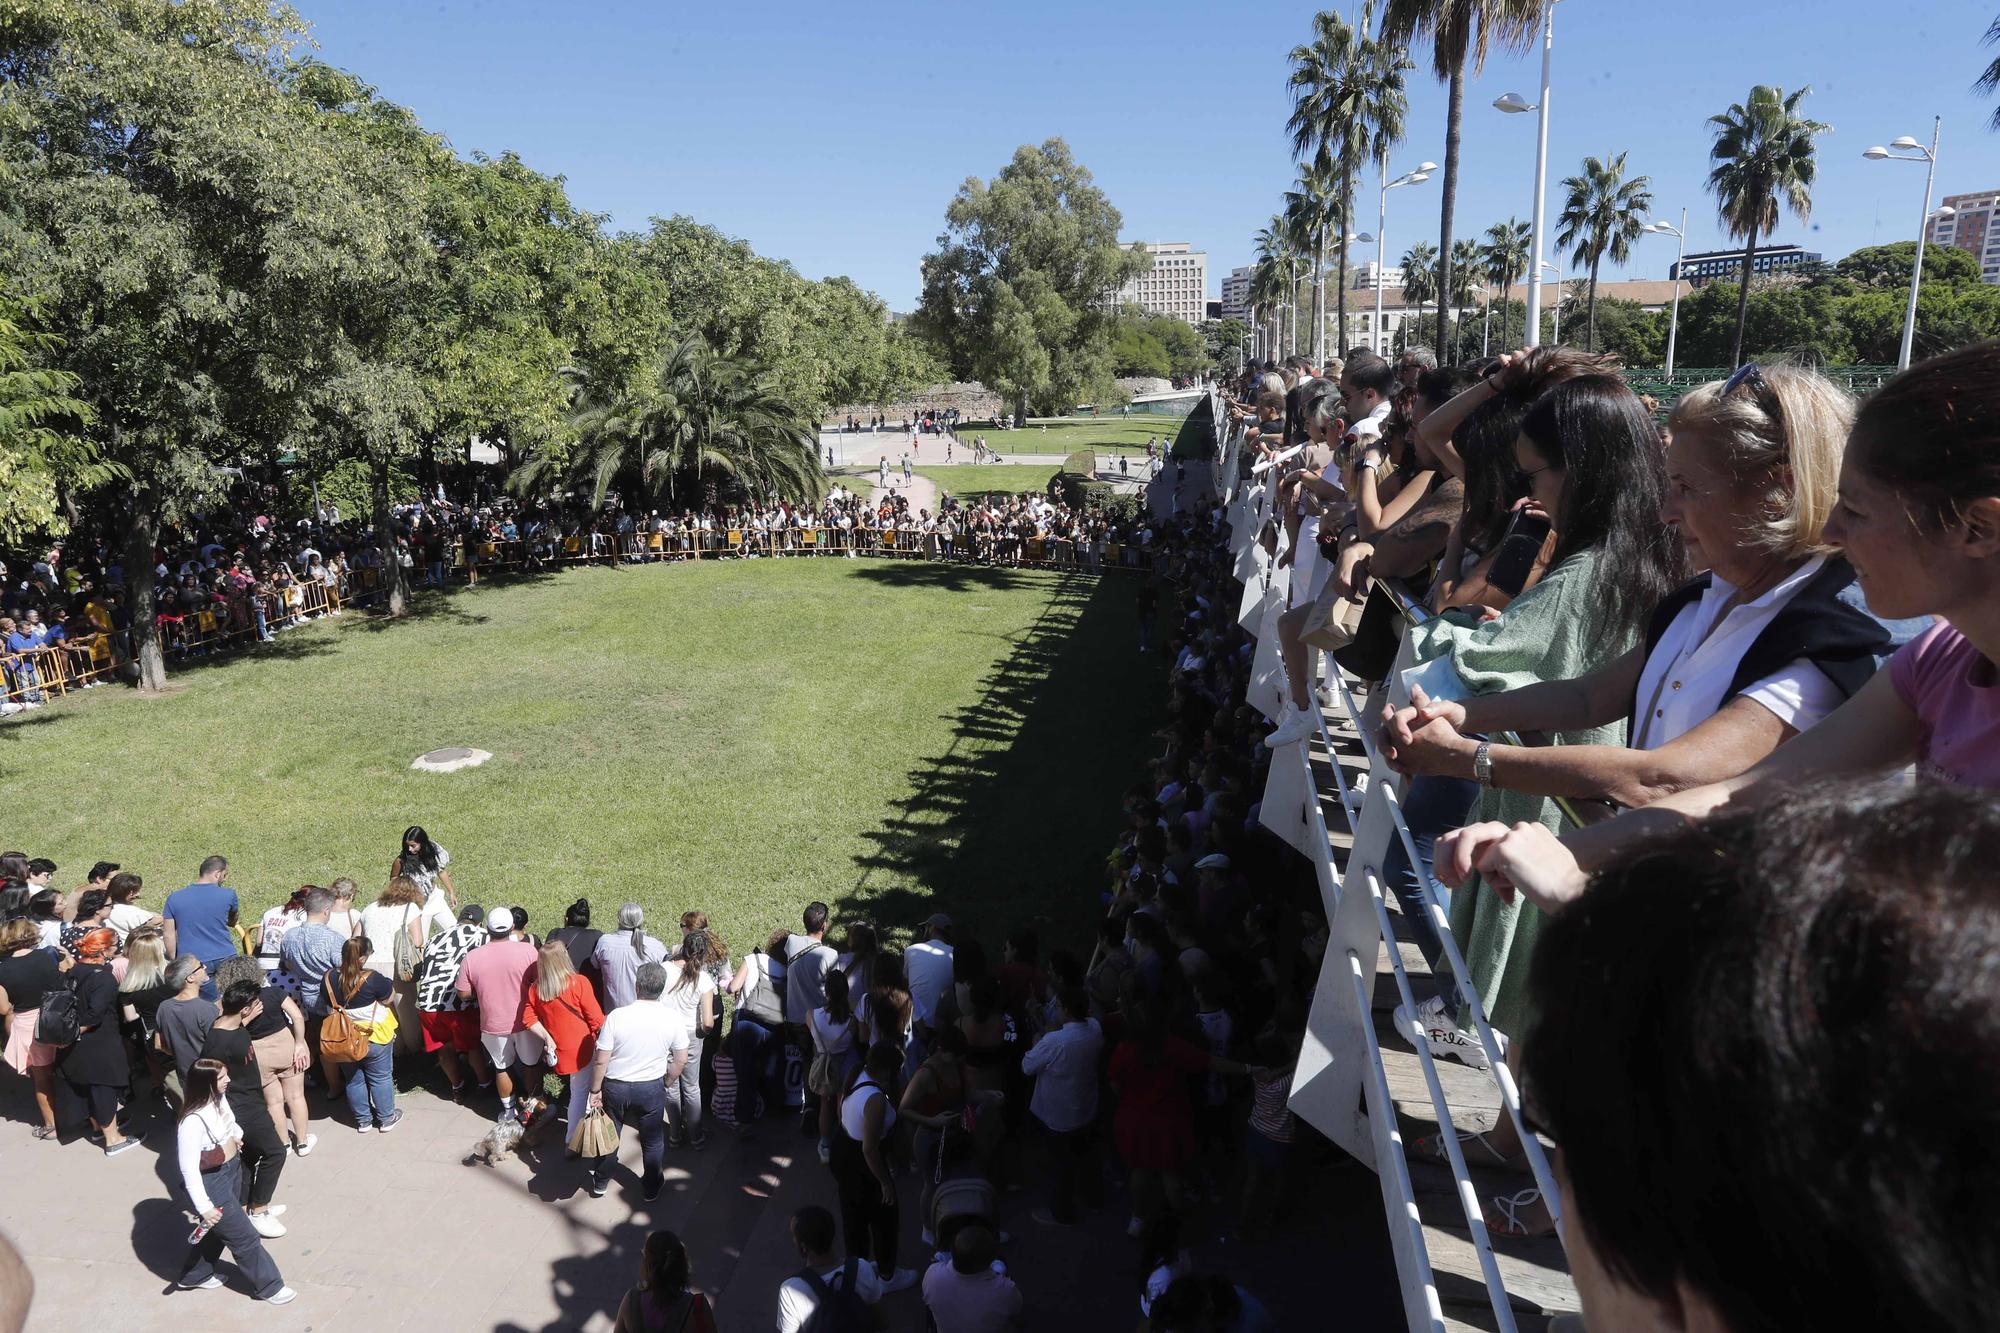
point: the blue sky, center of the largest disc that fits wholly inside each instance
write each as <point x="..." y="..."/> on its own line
<point x="833" y="135"/>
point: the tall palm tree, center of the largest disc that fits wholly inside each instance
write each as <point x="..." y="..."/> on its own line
<point x="1273" y="279"/>
<point x="1506" y="256"/>
<point x="1603" y="213"/>
<point x="1312" y="210"/>
<point x="698" y="416"/>
<point x="1348" y="103"/>
<point x="1460" y="33"/>
<point x="1763" y="150"/>
<point x="1420" y="279"/>
<point x="1989" y="79"/>
<point x="1467" y="272"/>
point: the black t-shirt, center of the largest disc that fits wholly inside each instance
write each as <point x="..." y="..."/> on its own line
<point x="581" y="941"/>
<point x="272" y="1020"/>
<point x="28" y="978"/>
<point x="374" y="989"/>
<point x="146" y="1002"/>
<point x="232" y="1047"/>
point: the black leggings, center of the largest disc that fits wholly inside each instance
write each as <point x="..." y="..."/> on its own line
<point x="100" y="1101"/>
<point x="263" y="1154"/>
<point x="868" y="1223"/>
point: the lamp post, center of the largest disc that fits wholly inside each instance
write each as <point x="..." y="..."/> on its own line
<point x="1417" y="177"/>
<point x="1659" y="228"/>
<point x="1556" y="333"/>
<point x="1922" y="154"/>
<point x="1515" y="104"/>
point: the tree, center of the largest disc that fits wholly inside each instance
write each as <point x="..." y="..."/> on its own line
<point x="1348" y="102"/>
<point x="1888" y="266"/>
<point x="1506" y="256"/>
<point x="1603" y="213"/>
<point x="699" y="415"/>
<point x="1222" y="342"/>
<point x="1763" y="151"/>
<point x="42" y="454"/>
<point x="1420" y="275"/>
<point x="1460" y="33"/>
<point x="1015" y="291"/>
<point x="1989" y="79"/>
<point x="1137" y="350"/>
<point x="1311" y="211"/>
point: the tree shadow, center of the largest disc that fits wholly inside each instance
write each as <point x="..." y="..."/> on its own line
<point x="1011" y="823"/>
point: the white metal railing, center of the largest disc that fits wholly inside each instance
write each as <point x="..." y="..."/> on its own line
<point x="1341" y="1087"/>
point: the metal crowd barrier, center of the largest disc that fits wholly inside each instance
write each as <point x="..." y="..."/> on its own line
<point x="1342" y="1087"/>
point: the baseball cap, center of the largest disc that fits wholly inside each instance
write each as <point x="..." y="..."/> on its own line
<point x="472" y="914"/>
<point x="500" y="921"/>
<point x="938" y="921"/>
<point x="1213" y="861"/>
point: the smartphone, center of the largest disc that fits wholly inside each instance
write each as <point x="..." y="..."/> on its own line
<point x="1515" y="558"/>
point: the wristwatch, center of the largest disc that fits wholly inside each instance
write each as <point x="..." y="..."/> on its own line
<point x="1482" y="764"/>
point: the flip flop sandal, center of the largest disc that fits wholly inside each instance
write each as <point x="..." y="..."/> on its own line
<point x="1514" y="1219"/>
<point x="1431" y="1148"/>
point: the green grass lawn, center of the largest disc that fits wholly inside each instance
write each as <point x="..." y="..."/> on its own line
<point x="740" y="737"/>
<point x="1068" y="434"/>
<point x="979" y="478"/>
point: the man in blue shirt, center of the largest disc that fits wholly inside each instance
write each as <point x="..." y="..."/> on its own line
<point x="28" y="639"/>
<point x="198" y="919"/>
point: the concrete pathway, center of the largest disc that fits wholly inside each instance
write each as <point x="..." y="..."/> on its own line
<point x="857" y="459"/>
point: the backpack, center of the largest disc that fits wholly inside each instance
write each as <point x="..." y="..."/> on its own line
<point x="340" y="1037"/>
<point x="840" y="1308"/>
<point x="59" y="1022"/>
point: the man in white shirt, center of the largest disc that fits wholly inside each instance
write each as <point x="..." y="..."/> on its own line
<point x="1064" y="1066"/>
<point x="800" y="1297"/>
<point x="928" y="965"/>
<point x="641" y="1048"/>
<point x="807" y="958"/>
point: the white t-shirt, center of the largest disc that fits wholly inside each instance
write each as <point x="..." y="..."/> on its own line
<point x="641" y="1037"/>
<point x="270" y="933"/>
<point x="684" y="998"/>
<point x="828" y="1036"/>
<point x="797" y="1304"/>
<point x="1687" y="675"/>
<point x="128" y="917"/>
<point x="344" y="923"/>
<point x="929" y="967"/>
<point x="380" y="924"/>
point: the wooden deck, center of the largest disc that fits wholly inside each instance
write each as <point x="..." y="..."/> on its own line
<point x="1536" y="1271"/>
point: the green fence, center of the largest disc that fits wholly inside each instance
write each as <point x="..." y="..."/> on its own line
<point x="1858" y="380"/>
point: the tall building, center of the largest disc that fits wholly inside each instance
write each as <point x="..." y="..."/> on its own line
<point x="1971" y="228"/>
<point x="1176" y="285"/>
<point x="1236" y="294"/>
<point x="1370" y="275"/>
<point x="1727" y="265"/>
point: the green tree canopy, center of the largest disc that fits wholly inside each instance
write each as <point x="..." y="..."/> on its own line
<point x="1015" y="293"/>
<point x="1889" y="265"/>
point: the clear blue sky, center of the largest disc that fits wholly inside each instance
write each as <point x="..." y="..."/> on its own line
<point x="833" y="135"/>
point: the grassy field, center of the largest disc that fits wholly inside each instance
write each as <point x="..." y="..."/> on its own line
<point x="892" y="738"/>
<point x="1068" y="434"/>
<point x="979" y="478"/>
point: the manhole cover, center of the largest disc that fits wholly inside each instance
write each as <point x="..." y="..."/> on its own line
<point x="450" y="759"/>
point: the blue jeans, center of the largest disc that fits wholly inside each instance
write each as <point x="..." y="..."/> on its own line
<point x="644" y="1104"/>
<point x="224" y="1186"/>
<point x="370" y="1083"/>
<point x="753" y="1047"/>
<point x="1431" y="807"/>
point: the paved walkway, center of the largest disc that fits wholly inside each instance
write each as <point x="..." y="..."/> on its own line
<point x="393" y="1231"/>
<point x="857" y="464"/>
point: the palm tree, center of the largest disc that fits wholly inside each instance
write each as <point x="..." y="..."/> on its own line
<point x="1506" y="256"/>
<point x="1989" y="80"/>
<point x="1460" y="32"/>
<point x="697" y="416"/>
<point x="1273" y="278"/>
<point x="1315" y="212"/>
<point x="1348" y="102"/>
<point x="1420" y="279"/>
<point x="1763" y="149"/>
<point x="1603" y="213"/>
<point x="1467" y="265"/>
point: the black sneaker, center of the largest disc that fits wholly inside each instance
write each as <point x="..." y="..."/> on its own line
<point x="599" y="1188"/>
<point x="652" y="1191"/>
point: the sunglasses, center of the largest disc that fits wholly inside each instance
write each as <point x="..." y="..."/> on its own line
<point x="1752" y="375"/>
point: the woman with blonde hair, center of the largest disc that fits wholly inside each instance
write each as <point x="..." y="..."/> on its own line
<point x="141" y="990"/>
<point x="560" y="1008"/>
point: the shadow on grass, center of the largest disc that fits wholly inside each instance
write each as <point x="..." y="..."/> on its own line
<point x="1011" y="823"/>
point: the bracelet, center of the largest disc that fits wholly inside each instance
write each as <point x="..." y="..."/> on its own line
<point x="1487" y="380"/>
<point x="1482" y="764"/>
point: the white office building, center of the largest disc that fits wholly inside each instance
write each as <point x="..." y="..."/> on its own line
<point x="1236" y="294"/>
<point x="1176" y="285"/>
<point x="1367" y="277"/>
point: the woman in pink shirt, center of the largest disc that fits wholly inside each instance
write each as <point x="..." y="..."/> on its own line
<point x="1919" y="519"/>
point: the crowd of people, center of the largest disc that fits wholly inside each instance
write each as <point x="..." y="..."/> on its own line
<point x="1702" y="736"/>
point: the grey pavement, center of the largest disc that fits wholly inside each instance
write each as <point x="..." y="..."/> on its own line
<point x="393" y="1231"/>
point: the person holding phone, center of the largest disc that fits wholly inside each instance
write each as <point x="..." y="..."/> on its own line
<point x="208" y="1142"/>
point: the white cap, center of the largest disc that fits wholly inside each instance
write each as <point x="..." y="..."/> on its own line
<point x="500" y="921"/>
<point x="1213" y="861"/>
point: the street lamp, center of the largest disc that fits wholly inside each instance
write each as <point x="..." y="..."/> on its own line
<point x="1659" y="228"/>
<point x="1556" y="333"/>
<point x="1417" y="177"/>
<point x="1515" y="104"/>
<point x="1922" y="154"/>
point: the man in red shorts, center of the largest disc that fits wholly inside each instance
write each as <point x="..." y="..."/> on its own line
<point x="451" y="1023"/>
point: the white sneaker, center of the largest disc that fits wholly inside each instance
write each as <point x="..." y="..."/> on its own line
<point x="1293" y="727"/>
<point x="267" y="1226"/>
<point x="1439" y="1023"/>
<point x="284" y="1296"/>
<point x="305" y="1146"/>
<point x="209" y="1284"/>
<point x="276" y="1210"/>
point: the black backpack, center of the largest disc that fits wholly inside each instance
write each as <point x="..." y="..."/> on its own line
<point x="840" y="1309"/>
<point x="58" y="1023"/>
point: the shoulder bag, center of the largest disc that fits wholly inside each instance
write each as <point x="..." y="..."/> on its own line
<point x="407" y="954"/>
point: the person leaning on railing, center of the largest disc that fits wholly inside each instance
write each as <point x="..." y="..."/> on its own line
<point x="1919" y="519"/>
<point x="1767" y="1048"/>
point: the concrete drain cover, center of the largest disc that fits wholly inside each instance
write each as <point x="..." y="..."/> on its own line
<point x="451" y="759"/>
